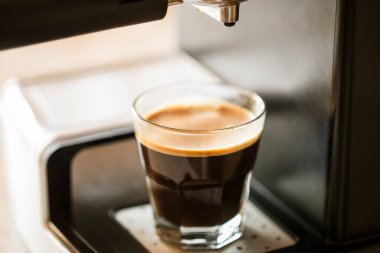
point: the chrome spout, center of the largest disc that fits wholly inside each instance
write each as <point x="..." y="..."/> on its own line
<point x="174" y="2"/>
<point x="227" y="14"/>
<point x="224" y="11"/>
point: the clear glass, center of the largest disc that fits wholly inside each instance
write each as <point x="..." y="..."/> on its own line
<point x="198" y="179"/>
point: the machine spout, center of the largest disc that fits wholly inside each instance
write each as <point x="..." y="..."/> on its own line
<point x="226" y="14"/>
<point x="224" y="11"/>
<point x="174" y="2"/>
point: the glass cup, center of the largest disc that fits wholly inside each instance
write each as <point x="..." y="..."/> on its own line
<point x="198" y="144"/>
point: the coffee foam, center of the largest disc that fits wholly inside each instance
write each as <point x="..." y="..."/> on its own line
<point x="201" y="120"/>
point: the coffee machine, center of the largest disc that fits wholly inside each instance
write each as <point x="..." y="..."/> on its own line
<point x="26" y="22"/>
<point x="315" y="182"/>
<point x="315" y="64"/>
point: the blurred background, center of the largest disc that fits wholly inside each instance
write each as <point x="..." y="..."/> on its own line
<point x="123" y="46"/>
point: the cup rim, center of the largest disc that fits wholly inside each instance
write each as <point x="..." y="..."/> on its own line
<point x="246" y="92"/>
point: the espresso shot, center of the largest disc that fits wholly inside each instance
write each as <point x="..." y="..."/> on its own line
<point x="198" y="145"/>
<point x="199" y="188"/>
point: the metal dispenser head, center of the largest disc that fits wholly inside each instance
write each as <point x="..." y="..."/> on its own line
<point x="225" y="11"/>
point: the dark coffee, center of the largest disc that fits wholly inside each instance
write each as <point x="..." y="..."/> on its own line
<point x="198" y="188"/>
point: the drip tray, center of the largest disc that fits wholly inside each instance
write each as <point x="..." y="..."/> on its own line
<point x="261" y="233"/>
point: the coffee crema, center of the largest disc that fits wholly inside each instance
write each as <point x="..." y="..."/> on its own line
<point x="198" y="179"/>
<point x="191" y="118"/>
<point x="200" y="116"/>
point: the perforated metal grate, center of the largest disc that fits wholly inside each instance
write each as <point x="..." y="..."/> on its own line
<point x="261" y="233"/>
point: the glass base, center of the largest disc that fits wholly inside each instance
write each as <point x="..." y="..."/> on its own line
<point x="201" y="238"/>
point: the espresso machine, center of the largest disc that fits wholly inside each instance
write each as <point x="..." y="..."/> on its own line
<point x="75" y="181"/>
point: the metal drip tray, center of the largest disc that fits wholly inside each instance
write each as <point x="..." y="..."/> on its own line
<point x="261" y="233"/>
